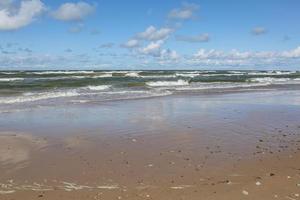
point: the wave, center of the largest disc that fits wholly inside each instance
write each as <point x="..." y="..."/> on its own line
<point x="167" y="83"/>
<point x="10" y="79"/>
<point x="272" y="73"/>
<point x="85" y="97"/>
<point x="132" y="74"/>
<point x="61" y="72"/>
<point x="191" y="75"/>
<point x="102" y="76"/>
<point x="40" y="96"/>
<point x="269" y="80"/>
<point x="209" y="75"/>
<point x="158" y="76"/>
<point x="98" y="87"/>
<point x="236" y="72"/>
<point x="208" y="86"/>
<point x="8" y="73"/>
<point x="135" y="94"/>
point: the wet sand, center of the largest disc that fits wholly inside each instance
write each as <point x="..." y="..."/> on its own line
<point x="223" y="146"/>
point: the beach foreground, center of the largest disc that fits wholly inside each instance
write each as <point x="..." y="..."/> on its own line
<point x="214" y="146"/>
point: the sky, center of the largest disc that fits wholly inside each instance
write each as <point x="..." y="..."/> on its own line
<point x="149" y="34"/>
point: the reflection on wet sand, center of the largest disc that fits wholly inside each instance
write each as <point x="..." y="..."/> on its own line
<point x="183" y="148"/>
<point x="15" y="148"/>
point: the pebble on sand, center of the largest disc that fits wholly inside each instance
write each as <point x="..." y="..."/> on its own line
<point x="245" y="192"/>
<point x="258" y="183"/>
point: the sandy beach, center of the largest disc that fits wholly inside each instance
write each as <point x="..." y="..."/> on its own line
<point x="149" y="100"/>
<point x="221" y="146"/>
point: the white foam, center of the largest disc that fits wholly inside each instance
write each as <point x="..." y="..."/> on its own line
<point x="61" y="72"/>
<point x="180" y="187"/>
<point x="73" y="186"/>
<point x="159" y="76"/>
<point x="284" y="72"/>
<point x="103" y="75"/>
<point x="270" y="80"/>
<point x="272" y="73"/>
<point x="132" y="74"/>
<point x="8" y="72"/>
<point x="7" y="191"/>
<point x="206" y="86"/>
<point x="38" y="96"/>
<point x="98" y="87"/>
<point x="208" y="75"/>
<point x="167" y="83"/>
<point x="108" y="187"/>
<point x="236" y="72"/>
<point x="60" y="78"/>
<point x="10" y="79"/>
<point x="191" y="75"/>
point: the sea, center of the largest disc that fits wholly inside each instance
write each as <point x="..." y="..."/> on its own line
<point x="20" y="89"/>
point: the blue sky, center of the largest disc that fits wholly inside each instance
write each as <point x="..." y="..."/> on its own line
<point x="149" y="34"/>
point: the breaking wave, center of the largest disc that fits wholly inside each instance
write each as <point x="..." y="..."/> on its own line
<point x="179" y="82"/>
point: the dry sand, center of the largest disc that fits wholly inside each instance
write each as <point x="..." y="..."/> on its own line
<point x="231" y="152"/>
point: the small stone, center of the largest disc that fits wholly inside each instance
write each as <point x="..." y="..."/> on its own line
<point x="228" y="182"/>
<point x="296" y="195"/>
<point x="133" y="140"/>
<point x="245" y="192"/>
<point x="258" y="183"/>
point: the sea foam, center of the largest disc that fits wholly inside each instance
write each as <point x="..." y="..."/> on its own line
<point x="179" y="82"/>
<point x="10" y="79"/>
<point x="98" y="87"/>
<point x="39" y="96"/>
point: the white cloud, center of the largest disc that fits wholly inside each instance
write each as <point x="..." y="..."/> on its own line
<point x="14" y="17"/>
<point x="154" y="34"/>
<point x="132" y="43"/>
<point x="153" y="48"/>
<point x="259" y="31"/>
<point x="235" y="57"/>
<point x="155" y="55"/>
<point x="171" y="55"/>
<point x="294" y="53"/>
<point x="194" y="39"/>
<point x="185" y="12"/>
<point x="73" y="11"/>
<point x="233" y="54"/>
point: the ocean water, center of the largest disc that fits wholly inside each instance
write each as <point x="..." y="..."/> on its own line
<point x="52" y="87"/>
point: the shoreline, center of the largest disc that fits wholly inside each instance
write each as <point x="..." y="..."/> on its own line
<point x="231" y="146"/>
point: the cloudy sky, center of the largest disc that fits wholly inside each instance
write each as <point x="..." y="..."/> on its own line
<point x="149" y="34"/>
